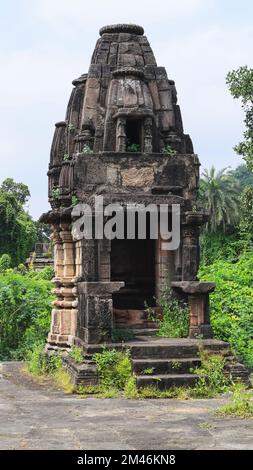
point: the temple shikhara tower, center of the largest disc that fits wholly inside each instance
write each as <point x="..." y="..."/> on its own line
<point x="122" y="139"/>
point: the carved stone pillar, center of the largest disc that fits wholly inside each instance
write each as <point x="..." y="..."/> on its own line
<point x="198" y="301"/>
<point x="148" y="146"/>
<point x="190" y="252"/>
<point x="121" y="134"/>
<point x="58" y="252"/>
<point x="78" y="259"/>
<point x="104" y="260"/>
<point x="90" y="259"/>
<point x="97" y="310"/>
<point x="64" y="314"/>
<point x="68" y="247"/>
<point x="58" y="268"/>
<point x="164" y="268"/>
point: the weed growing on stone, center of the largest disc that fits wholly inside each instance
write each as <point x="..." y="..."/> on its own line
<point x="114" y="367"/>
<point x="168" y="150"/>
<point x="39" y="364"/>
<point x="211" y="378"/>
<point x="176" y="365"/>
<point x="76" y="353"/>
<point x="87" y="149"/>
<point x="130" y="390"/>
<point x="37" y="360"/>
<point x="74" y="200"/>
<point x="241" y="405"/>
<point x="206" y="425"/>
<point x="121" y="335"/>
<point x="56" y="193"/>
<point x="148" y="371"/>
<point x="175" y="320"/>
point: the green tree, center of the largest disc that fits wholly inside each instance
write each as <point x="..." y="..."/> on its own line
<point x="25" y="306"/>
<point x="18" y="231"/>
<point x="240" y="84"/>
<point x="243" y="175"/>
<point x="20" y="191"/>
<point x="246" y="221"/>
<point x="43" y="232"/>
<point x="232" y="303"/>
<point x="219" y="194"/>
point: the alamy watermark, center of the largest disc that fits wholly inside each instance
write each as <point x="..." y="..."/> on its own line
<point x="127" y="222"/>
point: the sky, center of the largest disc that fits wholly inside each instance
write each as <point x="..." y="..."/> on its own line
<point x="45" y="44"/>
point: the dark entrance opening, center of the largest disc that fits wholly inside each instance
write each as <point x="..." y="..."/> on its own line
<point x="133" y="261"/>
<point x="134" y="135"/>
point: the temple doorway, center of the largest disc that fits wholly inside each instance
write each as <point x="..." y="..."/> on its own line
<point x="133" y="261"/>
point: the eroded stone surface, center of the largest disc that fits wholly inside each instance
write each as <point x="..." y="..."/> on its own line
<point x="137" y="177"/>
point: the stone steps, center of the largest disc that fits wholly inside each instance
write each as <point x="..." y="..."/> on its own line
<point x="173" y="350"/>
<point x="144" y="331"/>
<point x="159" y="351"/>
<point x="169" y="363"/>
<point x="165" y="366"/>
<point x="166" y="381"/>
<point x="159" y="362"/>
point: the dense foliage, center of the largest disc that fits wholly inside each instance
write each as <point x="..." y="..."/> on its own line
<point x="25" y="305"/>
<point x="232" y="302"/>
<point x="227" y="256"/>
<point x="18" y="231"/>
<point x="114" y="368"/>
<point x="175" y="320"/>
<point x="240" y="83"/>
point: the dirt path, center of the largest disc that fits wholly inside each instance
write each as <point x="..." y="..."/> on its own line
<point x="34" y="416"/>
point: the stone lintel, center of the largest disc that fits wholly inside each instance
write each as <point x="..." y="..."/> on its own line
<point x="194" y="287"/>
<point x="137" y="112"/>
<point x="99" y="288"/>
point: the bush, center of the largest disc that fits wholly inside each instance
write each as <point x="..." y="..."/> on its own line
<point x="5" y="262"/>
<point x="76" y="353"/>
<point x="114" y="367"/>
<point x="232" y="303"/>
<point x="121" y="335"/>
<point x="25" y="306"/>
<point x="241" y="405"/>
<point x="40" y="364"/>
<point x="175" y="320"/>
<point x="219" y="245"/>
<point x="37" y="362"/>
<point x="211" y="378"/>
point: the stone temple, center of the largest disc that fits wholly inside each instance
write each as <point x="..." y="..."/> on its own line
<point x="123" y="139"/>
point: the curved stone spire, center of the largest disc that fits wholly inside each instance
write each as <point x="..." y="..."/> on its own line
<point x="124" y="101"/>
<point x="123" y="45"/>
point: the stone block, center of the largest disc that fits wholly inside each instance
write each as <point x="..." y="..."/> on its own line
<point x="149" y="58"/>
<point x="113" y="175"/>
<point x="95" y="71"/>
<point x="137" y="177"/>
<point x="127" y="60"/>
<point x="161" y="73"/>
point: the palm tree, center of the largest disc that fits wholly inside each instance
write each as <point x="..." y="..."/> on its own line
<point x="219" y="193"/>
